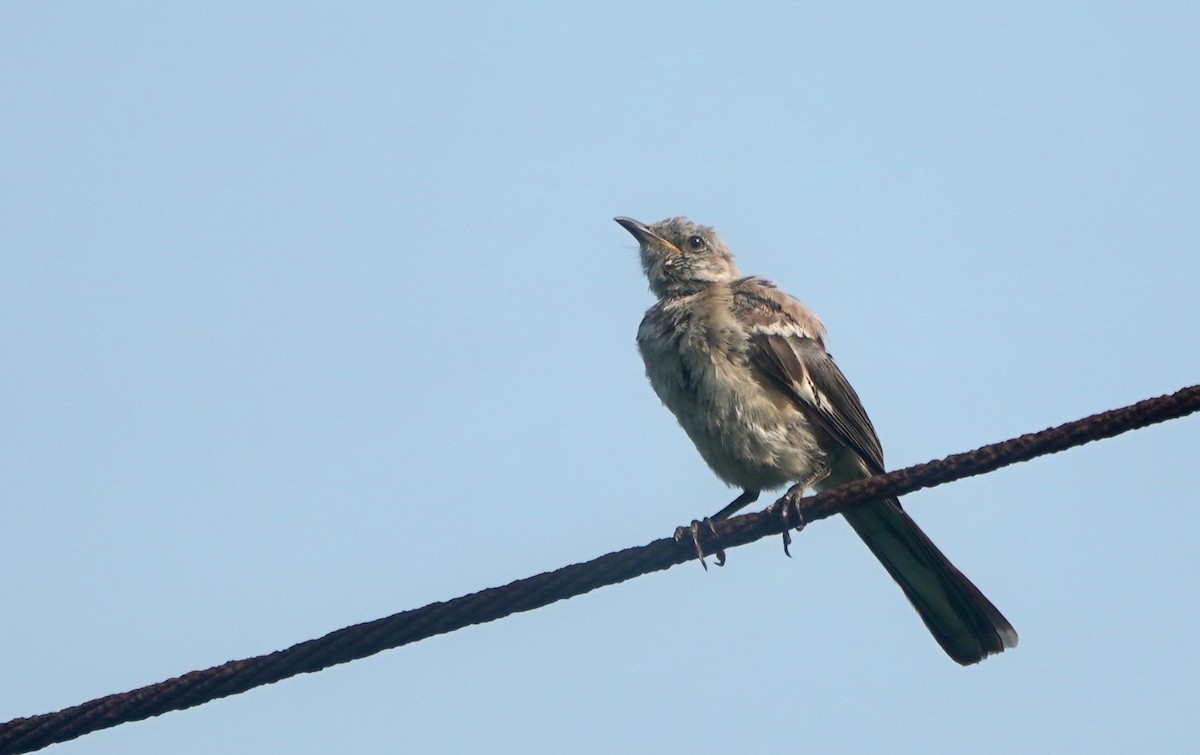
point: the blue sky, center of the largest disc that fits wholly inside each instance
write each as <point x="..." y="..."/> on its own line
<point x="315" y="313"/>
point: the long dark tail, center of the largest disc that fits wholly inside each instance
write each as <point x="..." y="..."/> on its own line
<point x="962" y="620"/>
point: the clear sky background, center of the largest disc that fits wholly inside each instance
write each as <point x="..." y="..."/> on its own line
<point x="312" y="313"/>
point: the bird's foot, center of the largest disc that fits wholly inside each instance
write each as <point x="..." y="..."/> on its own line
<point x="791" y="503"/>
<point x="694" y="531"/>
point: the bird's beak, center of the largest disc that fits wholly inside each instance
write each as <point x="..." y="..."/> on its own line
<point x="643" y="234"/>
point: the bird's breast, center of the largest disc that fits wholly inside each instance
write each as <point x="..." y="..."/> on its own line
<point x="698" y="364"/>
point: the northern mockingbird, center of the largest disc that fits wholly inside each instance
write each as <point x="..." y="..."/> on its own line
<point x="743" y="367"/>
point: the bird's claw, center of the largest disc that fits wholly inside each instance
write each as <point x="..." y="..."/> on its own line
<point x="791" y="502"/>
<point x="694" y="531"/>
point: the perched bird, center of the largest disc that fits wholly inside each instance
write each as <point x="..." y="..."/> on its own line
<point x="743" y="367"/>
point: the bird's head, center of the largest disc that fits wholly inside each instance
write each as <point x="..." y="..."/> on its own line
<point x="680" y="256"/>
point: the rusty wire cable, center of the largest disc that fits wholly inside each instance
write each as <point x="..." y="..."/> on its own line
<point x="361" y="640"/>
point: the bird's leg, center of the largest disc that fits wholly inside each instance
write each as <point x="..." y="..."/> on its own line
<point x="793" y="496"/>
<point x="745" y="499"/>
<point x="742" y="501"/>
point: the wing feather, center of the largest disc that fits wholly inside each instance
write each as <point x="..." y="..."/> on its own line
<point x="787" y="346"/>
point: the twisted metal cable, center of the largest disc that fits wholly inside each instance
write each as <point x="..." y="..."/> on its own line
<point x="361" y="640"/>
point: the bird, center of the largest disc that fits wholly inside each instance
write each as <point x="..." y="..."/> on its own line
<point x="743" y="367"/>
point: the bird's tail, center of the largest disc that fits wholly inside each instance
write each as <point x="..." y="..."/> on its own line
<point x="962" y="620"/>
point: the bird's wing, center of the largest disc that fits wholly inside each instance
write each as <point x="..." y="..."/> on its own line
<point x="786" y="347"/>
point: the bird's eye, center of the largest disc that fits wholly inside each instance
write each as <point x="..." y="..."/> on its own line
<point x="695" y="242"/>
